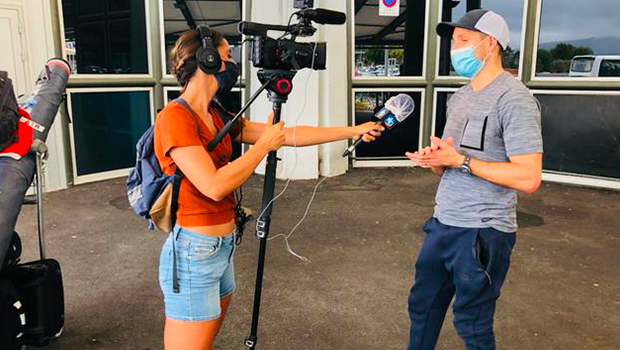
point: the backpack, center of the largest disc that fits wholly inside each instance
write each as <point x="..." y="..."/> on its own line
<point x="147" y="181"/>
<point x="9" y="117"/>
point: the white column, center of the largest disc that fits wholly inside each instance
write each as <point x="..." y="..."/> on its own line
<point x="334" y="89"/>
<point x="321" y="94"/>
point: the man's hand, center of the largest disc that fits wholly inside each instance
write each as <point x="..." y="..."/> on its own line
<point x="440" y="154"/>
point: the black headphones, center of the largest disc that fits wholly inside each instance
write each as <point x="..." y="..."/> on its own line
<point x="207" y="56"/>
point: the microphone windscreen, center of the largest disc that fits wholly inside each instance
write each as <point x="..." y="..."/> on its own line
<point x="401" y="105"/>
<point x="330" y="17"/>
<point x="324" y="16"/>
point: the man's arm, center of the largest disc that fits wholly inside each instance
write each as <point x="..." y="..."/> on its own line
<point x="523" y="173"/>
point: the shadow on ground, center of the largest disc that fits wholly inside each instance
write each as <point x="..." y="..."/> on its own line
<point x="362" y="236"/>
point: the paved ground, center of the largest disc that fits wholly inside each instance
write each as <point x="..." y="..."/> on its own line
<point x="362" y="236"/>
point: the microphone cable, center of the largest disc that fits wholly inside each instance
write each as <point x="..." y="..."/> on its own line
<point x="295" y="163"/>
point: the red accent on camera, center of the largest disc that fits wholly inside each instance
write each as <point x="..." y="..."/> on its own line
<point x="283" y="86"/>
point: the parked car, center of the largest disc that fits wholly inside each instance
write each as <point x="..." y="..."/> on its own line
<point x="595" y="66"/>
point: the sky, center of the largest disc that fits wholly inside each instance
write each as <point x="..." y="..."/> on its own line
<point x="511" y="10"/>
<point x="562" y="20"/>
<point x="565" y="20"/>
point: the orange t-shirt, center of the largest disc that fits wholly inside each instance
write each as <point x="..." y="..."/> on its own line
<point x="176" y="127"/>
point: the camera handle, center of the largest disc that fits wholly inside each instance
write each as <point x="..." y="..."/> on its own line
<point x="279" y="85"/>
<point x="226" y="129"/>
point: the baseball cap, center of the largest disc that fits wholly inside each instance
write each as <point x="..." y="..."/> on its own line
<point x="484" y="21"/>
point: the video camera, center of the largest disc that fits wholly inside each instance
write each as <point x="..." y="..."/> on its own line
<point x="286" y="53"/>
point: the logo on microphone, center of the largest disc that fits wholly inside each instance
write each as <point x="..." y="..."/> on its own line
<point x="390" y="121"/>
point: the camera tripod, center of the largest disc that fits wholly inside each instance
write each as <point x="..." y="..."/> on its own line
<point x="279" y="84"/>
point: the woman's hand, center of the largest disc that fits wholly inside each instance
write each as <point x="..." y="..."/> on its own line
<point x="369" y="131"/>
<point x="273" y="137"/>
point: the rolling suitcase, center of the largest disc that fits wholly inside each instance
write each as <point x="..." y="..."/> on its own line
<point x="12" y="317"/>
<point x="39" y="284"/>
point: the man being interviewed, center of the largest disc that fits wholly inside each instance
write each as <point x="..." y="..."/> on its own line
<point x="491" y="148"/>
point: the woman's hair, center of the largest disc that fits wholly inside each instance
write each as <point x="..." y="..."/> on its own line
<point x="183" y="66"/>
<point x="183" y="63"/>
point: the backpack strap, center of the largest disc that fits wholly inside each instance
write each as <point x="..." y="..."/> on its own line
<point x="178" y="174"/>
<point x="174" y="205"/>
<point x="189" y="108"/>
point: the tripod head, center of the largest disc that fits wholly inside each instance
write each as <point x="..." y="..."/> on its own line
<point x="279" y="83"/>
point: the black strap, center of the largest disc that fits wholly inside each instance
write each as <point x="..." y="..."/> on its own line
<point x="176" y="185"/>
<point x="174" y="205"/>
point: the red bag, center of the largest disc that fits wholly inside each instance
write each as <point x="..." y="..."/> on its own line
<point x="24" y="137"/>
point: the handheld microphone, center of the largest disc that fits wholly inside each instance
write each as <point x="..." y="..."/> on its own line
<point x="396" y="110"/>
<point x="324" y="16"/>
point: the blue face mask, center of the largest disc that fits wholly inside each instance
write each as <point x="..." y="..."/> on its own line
<point x="465" y="62"/>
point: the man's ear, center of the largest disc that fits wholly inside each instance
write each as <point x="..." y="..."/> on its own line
<point x="494" y="44"/>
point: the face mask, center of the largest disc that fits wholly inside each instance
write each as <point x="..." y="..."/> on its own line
<point x="228" y="78"/>
<point x="465" y="62"/>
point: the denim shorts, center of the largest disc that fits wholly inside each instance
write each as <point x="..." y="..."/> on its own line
<point x="204" y="271"/>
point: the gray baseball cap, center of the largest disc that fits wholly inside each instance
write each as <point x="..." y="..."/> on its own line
<point x="484" y="21"/>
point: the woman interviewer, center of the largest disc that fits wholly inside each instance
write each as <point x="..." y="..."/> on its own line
<point x="203" y="237"/>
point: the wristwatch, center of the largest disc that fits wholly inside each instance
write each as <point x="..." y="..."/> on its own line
<point x="465" y="166"/>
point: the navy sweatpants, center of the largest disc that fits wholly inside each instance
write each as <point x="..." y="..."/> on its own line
<point x="465" y="263"/>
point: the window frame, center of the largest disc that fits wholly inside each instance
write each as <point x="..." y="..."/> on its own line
<point x="573" y="178"/>
<point x="77" y="77"/>
<point x="417" y="78"/>
<point x="371" y="162"/>
<point x="436" y="92"/>
<point x="462" y="80"/>
<point x="559" y="80"/>
<point x="106" y="175"/>
<point x="162" y="36"/>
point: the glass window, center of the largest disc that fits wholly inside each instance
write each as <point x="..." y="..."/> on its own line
<point x="403" y="138"/>
<point x="442" y="108"/>
<point x="582" y="64"/>
<point x="389" y="46"/>
<point x="172" y="94"/>
<point x="590" y="119"/>
<point x="222" y="16"/>
<point x="106" y="128"/>
<point x="106" y="36"/>
<point x="573" y="28"/>
<point x="512" y="11"/>
<point x="610" y="68"/>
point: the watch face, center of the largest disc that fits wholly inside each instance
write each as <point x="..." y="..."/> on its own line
<point x="465" y="166"/>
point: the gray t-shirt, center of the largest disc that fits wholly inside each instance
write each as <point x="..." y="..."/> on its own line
<point x="500" y="121"/>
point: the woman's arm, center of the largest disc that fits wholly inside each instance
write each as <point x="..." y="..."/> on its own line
<point x="198" y="167"/>
<point x="310" y="135"/>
